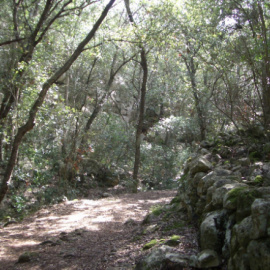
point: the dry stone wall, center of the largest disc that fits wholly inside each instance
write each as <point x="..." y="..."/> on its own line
<point x="230" y="201"/>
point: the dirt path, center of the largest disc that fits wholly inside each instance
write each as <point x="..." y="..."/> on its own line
<point x="82" y="234"/>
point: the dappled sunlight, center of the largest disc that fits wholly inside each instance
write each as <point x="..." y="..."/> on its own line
<point x="95" y="217"/>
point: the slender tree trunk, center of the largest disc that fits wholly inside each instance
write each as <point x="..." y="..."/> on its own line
<point x="30" y="123"/>
<point x="28" y="44"/>
<point x="265" y="71"/>
<point x="144" y="66"/>
<point x="100" y="102"/>
<point x="141" y="117"/>
<point x="201" y="121"/>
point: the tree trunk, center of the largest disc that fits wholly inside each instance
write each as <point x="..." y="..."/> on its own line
<point x="201" y="121"/>
<point x="99" y="103"/>
<point x="265" y="71"/>
<point x="28" y="44"/>
<point x="141" y="116"/>
<point x="39" y="101"/>
<point x="144" y="66"/>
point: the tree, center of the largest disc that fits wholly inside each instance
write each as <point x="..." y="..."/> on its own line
<point x="139" y="130"/>
<point x="30" y="25"/>
<point x="30" y="122"/>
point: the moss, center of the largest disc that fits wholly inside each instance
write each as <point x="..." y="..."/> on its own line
<point x="175" y="225"/>
<point x="235" y="193"/>
<point x="244" y="197"/>
<point x="183" y="178"/>
<point x="175" y="200"/>
<point x="150" y="244"/>
<point x="258" y="179"/>
<point x="157" y="210"/>
<point x="173" y="241"/>
<point x="167" y="216"/>
<point x="175" y="237"/>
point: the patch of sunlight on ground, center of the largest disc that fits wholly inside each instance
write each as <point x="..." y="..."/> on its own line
<point x="22" y="244"/>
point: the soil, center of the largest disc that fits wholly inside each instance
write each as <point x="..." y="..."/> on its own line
<point x="92" y="234"/>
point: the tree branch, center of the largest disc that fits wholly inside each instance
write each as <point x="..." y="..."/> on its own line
<point x="30" y="123"/>
<point x="11" y="41"/>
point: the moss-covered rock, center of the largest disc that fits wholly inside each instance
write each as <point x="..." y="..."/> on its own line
<point x="245" y="197"/>
<point x="230" y="198"/>
<point x="173" y="241"/>
<point x="150" y="244"/>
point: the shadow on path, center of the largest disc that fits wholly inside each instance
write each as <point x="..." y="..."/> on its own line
<point x="79" y="234"/>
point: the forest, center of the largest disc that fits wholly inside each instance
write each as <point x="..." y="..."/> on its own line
<point x="94" y="89"/>
<point x="106" y="93"/>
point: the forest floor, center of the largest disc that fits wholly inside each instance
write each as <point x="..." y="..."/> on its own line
<point x="90" y="234"/>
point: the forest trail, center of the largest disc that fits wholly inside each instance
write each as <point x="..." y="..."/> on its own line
<point x="89" y="234"/>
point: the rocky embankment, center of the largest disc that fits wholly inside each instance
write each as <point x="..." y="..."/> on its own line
<point x="225" y="189"/>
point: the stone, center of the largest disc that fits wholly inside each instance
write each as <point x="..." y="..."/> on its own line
<point x="209" y="194"/>
<point x="264" y="191"/>
<point x="206" y="182"/>
<point x="163" y="257"/>
<point x="245" y="197"/>
<point x="174" y="241"/>
<point x="208" y="258"/>
<point x="239" y="260"/>
<point x="226" y="249"/>
<point x="211" y="230"/>
<point x="260" y="212"/>
<point x="204" y="151"/>
<point x="243" y="231"/>
<point x="219" y="194"/>
<point x="259" y="254"/>
<point x="244" y="161"/>
<point x="230" y="198"/>
<point x="27" y="257"/>
<point x="197" y="177"/>
<point x="236" y="168"/>
<point x="223" y="172"/>
<point x="106" y="195"/>
<point x="200" y="164"/>
<point x="214" y="199"/>
<point x="200" y="205"/>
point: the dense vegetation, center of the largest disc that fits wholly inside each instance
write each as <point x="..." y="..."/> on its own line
<point x="95" y="90"/>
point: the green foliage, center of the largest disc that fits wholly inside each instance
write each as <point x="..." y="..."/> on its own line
<point x="205" y="71"/>
<point x="18" y="202"/>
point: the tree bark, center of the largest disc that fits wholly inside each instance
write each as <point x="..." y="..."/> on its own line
<point x="141" y="117"/>
<point x="265" y="71"/>
<point x="30" y="123"/>
<point x="29" y="44"/>
<point x="201" y="121"/>
<point x="144" y="66"/>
